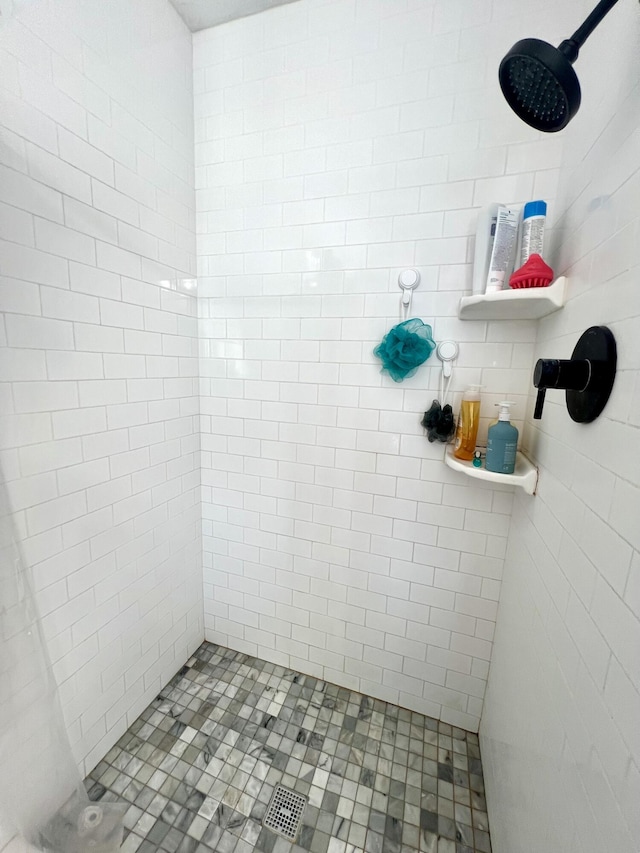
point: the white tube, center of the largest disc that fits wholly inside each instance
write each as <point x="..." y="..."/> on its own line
<point x="485" y="233"/>
<point x="503" y="251"/>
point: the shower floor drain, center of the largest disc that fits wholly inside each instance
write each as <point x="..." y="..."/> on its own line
<point x="285" y="812"/>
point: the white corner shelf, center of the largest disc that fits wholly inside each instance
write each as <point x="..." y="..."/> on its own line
<point x="525" y="303"/>
<point x="525" y="475"/>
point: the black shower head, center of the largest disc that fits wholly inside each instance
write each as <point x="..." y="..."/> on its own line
<point x="540" y="84"/>
<point x="538" y="79"/>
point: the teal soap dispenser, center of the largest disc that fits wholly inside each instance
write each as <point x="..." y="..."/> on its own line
<point x="502" y="443"/>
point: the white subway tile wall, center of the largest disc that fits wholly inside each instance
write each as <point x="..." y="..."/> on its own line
<point x="98" y="355"/>
<point x="336" y="144"/>
<point x="560" y="735"/>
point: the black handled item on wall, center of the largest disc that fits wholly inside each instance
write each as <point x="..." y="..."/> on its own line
<point x="538" y="80"/>
<point x="587" y="377"/>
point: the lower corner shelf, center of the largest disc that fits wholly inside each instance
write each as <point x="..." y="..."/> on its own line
<point x="525" y="475"/>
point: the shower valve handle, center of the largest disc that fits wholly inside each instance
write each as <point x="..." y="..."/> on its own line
<point x="565" y="374"/>
<point x="587" y="377"/>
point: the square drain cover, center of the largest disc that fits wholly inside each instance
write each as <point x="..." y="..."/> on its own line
<point x="285" y="812"/>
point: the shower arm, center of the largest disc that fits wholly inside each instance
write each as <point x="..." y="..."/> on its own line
<point x="570" y="47"/>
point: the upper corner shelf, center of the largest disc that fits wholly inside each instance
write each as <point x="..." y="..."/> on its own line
<point x="522" y="304"/>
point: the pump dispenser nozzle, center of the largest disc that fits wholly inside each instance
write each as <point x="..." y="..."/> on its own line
<point x="505" y="410"/>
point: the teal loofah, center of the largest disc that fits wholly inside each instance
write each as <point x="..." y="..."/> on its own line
<point x="404" y="348"/>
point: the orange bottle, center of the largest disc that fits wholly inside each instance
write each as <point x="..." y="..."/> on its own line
<point x="468" y="421"/>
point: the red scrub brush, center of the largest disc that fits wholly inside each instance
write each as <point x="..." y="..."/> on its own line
<point x="534" y="273"/>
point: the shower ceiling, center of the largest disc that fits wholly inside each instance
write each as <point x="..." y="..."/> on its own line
<point x="200" y="14"/>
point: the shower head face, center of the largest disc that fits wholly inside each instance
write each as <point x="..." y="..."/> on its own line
<point x="540" y="85"/>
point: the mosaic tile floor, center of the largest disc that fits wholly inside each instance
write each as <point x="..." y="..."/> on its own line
<point x="200" y="765"/>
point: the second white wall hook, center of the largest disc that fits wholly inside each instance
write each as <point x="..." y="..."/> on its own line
<point x="447" y="352"/>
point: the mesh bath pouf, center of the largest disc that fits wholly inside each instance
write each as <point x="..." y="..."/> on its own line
<point x="404" y="348"/>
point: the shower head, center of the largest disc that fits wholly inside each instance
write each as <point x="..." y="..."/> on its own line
<point x="538" y="80"/>
<point x="540" y="84"/>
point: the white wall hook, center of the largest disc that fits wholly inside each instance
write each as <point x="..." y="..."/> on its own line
<point x="408" y="280"/>
<point x="447" y="352"/>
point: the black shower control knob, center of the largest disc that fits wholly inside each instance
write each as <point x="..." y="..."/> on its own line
<point x="567" y="374"/>
<point x="546" y="373"/>
<point x="587" y="377"/>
